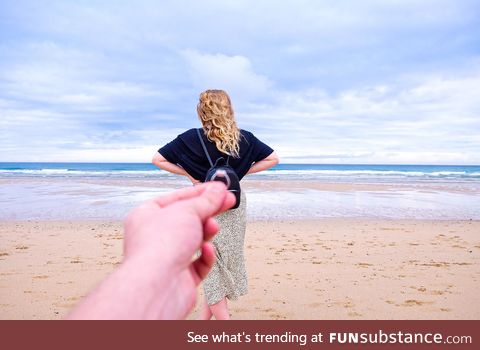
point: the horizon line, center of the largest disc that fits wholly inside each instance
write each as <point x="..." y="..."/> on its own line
<point x="96" y="162"/>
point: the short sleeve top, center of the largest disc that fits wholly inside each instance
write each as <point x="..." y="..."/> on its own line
<point x="186" y="150"/>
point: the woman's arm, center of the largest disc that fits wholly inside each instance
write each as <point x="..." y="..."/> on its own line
<point x="264" y="164"/>
<point x="160" y="162"/>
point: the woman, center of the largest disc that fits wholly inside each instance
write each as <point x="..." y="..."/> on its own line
<point x="247" y="155"/>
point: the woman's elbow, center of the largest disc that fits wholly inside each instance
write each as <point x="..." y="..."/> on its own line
<point x="275" y="159"/>
<point x="156" y="159"/>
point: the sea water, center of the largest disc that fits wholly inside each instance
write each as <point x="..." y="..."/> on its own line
<point x="38" y="191"/>
<point x="346" y="172"/>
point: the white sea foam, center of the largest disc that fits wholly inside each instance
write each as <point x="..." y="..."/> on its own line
<point x="370" y="173"/>
<point x="35" y="171"/>
<point x="70" y="172"/>
<point x="342" y="172"/>
<point x="449" y="173"/>
<point x="279" y="173"/>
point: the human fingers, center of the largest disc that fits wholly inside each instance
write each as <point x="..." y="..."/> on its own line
<point x="183" y="193"/>
<point x="228" y="202"/>
<point x="204" y="263"/>
<point x="210" y="228"/>
<point x="214" y="200"/>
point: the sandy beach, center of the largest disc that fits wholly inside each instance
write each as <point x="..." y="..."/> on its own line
<point x="320" y="244"/>
<point x="298" y="269"/>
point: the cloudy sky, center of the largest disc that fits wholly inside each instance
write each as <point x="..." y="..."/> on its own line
<point x="393" y="81"/>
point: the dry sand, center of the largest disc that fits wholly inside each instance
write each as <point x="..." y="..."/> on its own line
<point x="324" y="269"/>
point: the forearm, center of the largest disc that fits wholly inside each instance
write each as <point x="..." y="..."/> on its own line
<point x="261" y="166"/>
<point x="130" y="292"/>
<point x="170" y="167"/>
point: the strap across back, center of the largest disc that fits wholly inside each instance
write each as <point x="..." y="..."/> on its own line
<point x="205" y="149"/>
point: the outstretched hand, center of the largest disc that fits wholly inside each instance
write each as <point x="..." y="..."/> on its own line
<point x="158" y="276"/>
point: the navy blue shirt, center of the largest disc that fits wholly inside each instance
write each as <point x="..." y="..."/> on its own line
<point x="186" y="151"/>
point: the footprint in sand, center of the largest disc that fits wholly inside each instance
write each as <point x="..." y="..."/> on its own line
<point x="348" y="304"/>
<point x="437" y="292"/>
<point x="362" y="264"/>
<point x="116" y="238"/>
<point x="74" y="299"/>
<point x="414" y="302"/>
<point x="241" y="310"/>
<point x="64" y="305"/>
<point x="315" y="305"/>
<point x="41" y="277"/>
<point x="268" y="310"/>
<point x="76" y="261"/>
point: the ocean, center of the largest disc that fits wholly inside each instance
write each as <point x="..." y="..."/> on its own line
<point x="107" y="191"/>
<point x="345" y="172"/>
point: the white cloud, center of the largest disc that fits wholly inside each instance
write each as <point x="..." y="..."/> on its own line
<point x="435" y="120"/>
<point x="329" y="81"/>
<point x="234" y="74"/>
<point x="69" y="80"/>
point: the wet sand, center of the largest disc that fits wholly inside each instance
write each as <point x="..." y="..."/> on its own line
<point x="257" y="184"/>
<point x="323" y="269"/>
<point x="84" y="198"/>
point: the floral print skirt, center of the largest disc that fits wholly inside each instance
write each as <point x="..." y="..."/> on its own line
<point x="228" y="277"/>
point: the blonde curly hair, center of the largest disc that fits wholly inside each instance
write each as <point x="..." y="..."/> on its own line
<point x="216" y="114"/>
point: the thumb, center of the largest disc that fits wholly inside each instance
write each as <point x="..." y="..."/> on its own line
<point x="213" y="200"/>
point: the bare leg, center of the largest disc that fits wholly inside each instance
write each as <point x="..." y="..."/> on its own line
<point x="206" y="313"/>
<point x="220" y="310"/>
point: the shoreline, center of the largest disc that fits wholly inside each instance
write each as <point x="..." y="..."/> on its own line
<point x="62" y="198"/>
<point x="333" y="268"/>
<point x="269" y="183"/>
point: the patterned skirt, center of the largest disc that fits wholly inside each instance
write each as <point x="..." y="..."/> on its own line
<point x="228" y="277"/>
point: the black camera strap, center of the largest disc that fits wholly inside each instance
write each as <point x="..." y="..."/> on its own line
<point x="205" y="149"/>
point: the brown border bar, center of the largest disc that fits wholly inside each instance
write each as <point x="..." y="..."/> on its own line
<point x="133" y="335"/>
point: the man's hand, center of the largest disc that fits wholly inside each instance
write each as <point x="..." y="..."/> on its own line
<point x="158" y="276"/>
